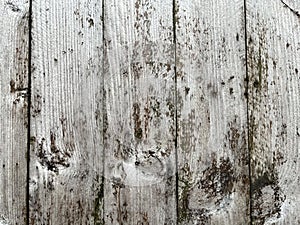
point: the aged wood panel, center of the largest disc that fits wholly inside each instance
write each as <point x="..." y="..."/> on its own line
<point x="13" y="110"/>
<point x="273" y="64"/>
<point x="212" y="113"/>
<point x="140" y="113"/>
<point x="66" y="113"/>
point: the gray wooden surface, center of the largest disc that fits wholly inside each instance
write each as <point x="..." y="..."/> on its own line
<point x="274" y="110"/>
<point x="139" y="95"/>
<point x="66" y="113"/>
<point x="149" y="112"/>
<point x="14" y="38"/>
<point x="212" y="113"/>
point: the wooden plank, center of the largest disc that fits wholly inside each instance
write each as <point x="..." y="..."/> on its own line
<point x="66" y="113"/>
<point x="274" y="107"/>
<point x="140" y="113"/>
<point x="13" y="110"/>
<point x="212" y="113"/>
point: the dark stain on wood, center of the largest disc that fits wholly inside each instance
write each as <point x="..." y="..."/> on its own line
<point x="137" y="70"/>
<point x="91" y="22"/>
<point x="55" y="158"/>
<point x="147" y="117"/>
<point x="19" y="82"/>
<point x="185" y="188"/>
<point x="187" y="90"/>
<point x="123" y="151"/>
<point x="142" y="24"/>
<point x="12" y="6"/>
<point x="237" y="140"/>
<point x="14" y="89"/>
<point x="268" y="197"/>
<point x="98" y="189"/>
<point x="263" y="181"/>
<point x="36" y="104"/>
<point x="218" y="179"/>
<point x="138" y="131"/>
<point x="121" y="212"/>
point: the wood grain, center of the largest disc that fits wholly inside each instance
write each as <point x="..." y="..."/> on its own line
<point x="273" y="65"/>
<point x="127" y="93"/>
<point x="212" y="113"/>
<point x="13" y="110"/>
<point x="140" y="113"/>
<point x="66" y="113"/>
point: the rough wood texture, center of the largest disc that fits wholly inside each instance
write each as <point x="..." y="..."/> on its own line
<point x="122" y="90"/>
<point x="13" y="107"/>
<point x="274" y="106"/>
<point x="212" y="113"/>
<point x="140" y="113"/>
<point x="66" y="113"/>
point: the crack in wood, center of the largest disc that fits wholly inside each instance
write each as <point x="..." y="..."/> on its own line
<point x="291" y="9"/>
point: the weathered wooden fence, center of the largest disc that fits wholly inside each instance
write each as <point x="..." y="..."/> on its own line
<point x="144" y="112"/>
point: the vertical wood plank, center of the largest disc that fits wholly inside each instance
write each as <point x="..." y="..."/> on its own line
<point x="212" y="113"/>
<point x="140" y="108"/>
<point x="13" y="110"/>
<point x="273" y="65"/>
<point x="66" y="113"/>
